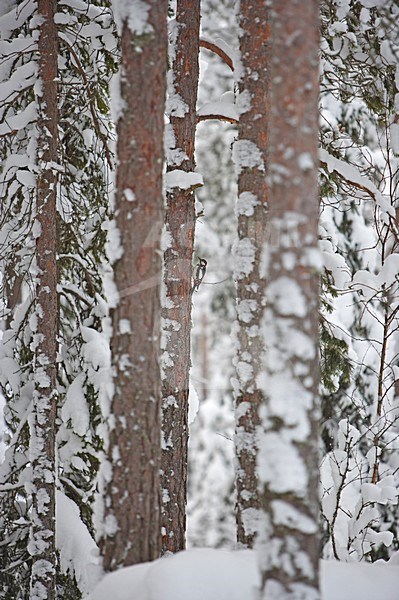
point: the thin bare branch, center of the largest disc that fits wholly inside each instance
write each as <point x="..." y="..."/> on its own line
<point x="208" y="45"/>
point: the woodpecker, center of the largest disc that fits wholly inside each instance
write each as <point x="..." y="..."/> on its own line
<point x="199" y="274"/>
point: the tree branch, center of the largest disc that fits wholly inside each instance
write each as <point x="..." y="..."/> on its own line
<point x="214" y="48"/>
<point x="216" y="118"/>
<point x="96" y="121"/>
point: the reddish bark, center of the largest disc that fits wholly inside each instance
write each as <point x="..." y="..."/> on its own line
<point x="293" y="75"/>
<point x="43" y="426"/>
<point x="132" y="497"/>
<point x="253" y="126"/>
<point x="180" y="224"/>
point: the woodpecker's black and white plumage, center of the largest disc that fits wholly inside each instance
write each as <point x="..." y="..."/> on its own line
<point x="199" y="273"/>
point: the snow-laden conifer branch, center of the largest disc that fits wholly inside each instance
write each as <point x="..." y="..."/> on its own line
<point x="93" y="109"/>
<point x="353" y="177"/>
<point x="83" y="186"/>
<point x="356" y="126"/>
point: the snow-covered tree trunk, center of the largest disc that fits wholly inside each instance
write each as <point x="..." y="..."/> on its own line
<point x="249" y="153"/>
<point x="288" y="456"/>
<point x="176" y="310"/>
<point x="44" y="324"/>
<point x="132" y="493"/>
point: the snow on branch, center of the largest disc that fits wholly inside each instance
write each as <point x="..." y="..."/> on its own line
<point x="224" y="52"/>
<point x="353" y="177"/>
<point x="92" y="103"/>
<point x="183" y="180"/>
<point x="223" y="111"/>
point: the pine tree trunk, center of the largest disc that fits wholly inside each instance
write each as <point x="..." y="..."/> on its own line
<point x="249" y="154"/>
<point x="288" y="455"/>
<point x="203" y="354"/>
<point x="176" y="311"/>
<point x="43" y="424"/>
<point x="132" y="495"/>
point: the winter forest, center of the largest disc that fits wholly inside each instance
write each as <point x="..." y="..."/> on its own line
<point x="199" y="309"/>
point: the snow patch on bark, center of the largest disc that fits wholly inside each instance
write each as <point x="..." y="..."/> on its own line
<point x="244" y="257"/>
<point x="246" y="155"/>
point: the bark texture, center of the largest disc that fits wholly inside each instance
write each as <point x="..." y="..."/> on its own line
<point x="253" y="103"/>
<point x="176" y="312"/>
<point x="132" y="496"/>
<point x="43" y="425"/>
<point x="288" y="458"/>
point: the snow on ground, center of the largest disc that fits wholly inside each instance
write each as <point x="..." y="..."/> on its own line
<point x="207" y="574"/>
